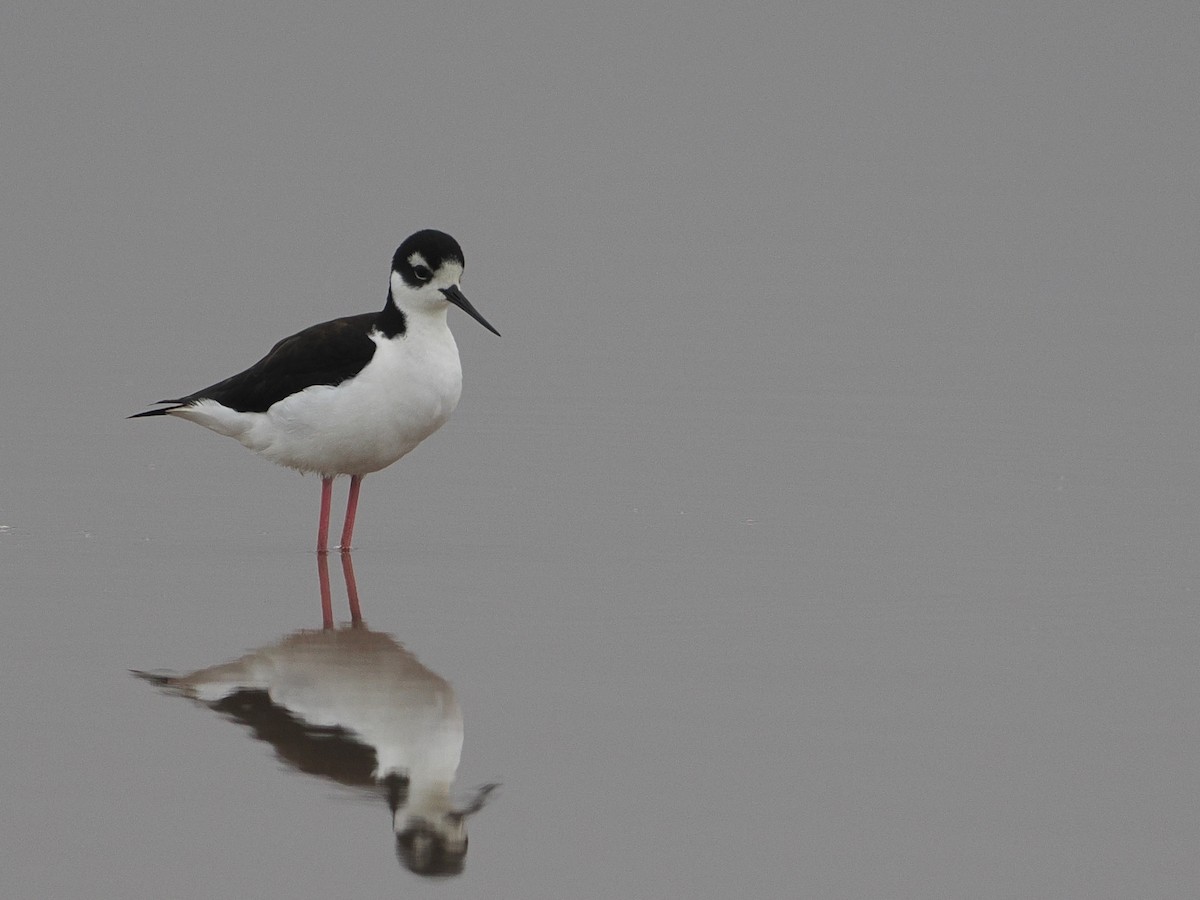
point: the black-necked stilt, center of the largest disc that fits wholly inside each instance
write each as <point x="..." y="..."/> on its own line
<point x="351" y="396"/>
<point x="354" y="706"/>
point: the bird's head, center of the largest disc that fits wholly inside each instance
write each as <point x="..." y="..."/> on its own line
<point x="426" y="272"/>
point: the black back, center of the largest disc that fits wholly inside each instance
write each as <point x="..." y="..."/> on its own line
<point x="333" y="752"/>
<point x="329" y="353"/>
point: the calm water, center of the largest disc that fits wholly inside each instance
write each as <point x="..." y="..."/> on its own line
<point x="823" y="525"/>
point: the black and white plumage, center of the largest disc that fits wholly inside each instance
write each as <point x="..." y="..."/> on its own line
<point x="356" y="707"/>
<point x="353" y="395"/>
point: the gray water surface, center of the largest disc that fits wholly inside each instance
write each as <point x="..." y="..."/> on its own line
<point x="823" y="525"/>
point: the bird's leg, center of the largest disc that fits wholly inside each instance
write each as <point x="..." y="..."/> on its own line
<point x="326" y="593"/>
<point x="323" y="524"/>
<point x="351" y="511"/>
<point x="351" y="589"/>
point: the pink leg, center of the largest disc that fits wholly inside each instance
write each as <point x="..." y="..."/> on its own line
<point x="323" y="524"/>
<point x="326" y="594"/>
<point x="351" y="589"/>
<point x="351" y="511"/>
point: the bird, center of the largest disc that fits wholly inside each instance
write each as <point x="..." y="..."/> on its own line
<point x="352" y="395"/>
<point x="356" y="707"/>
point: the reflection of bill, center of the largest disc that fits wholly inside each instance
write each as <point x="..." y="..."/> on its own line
<point x="354" y="706"/>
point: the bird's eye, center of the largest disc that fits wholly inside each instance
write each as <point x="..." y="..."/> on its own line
<point x="422" y="273"/>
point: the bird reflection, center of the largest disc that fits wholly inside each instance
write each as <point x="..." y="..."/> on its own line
<point x="352" y="705"/>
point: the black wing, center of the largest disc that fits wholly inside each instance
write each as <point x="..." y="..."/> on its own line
<point x="329" y="353"/>
<point x="331" y="752"/>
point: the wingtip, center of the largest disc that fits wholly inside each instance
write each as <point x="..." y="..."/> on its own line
<point x="156" y="678"/>
<point x="156" y="412"/>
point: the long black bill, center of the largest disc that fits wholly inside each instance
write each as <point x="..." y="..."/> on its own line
<point x="455" y="296"/>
